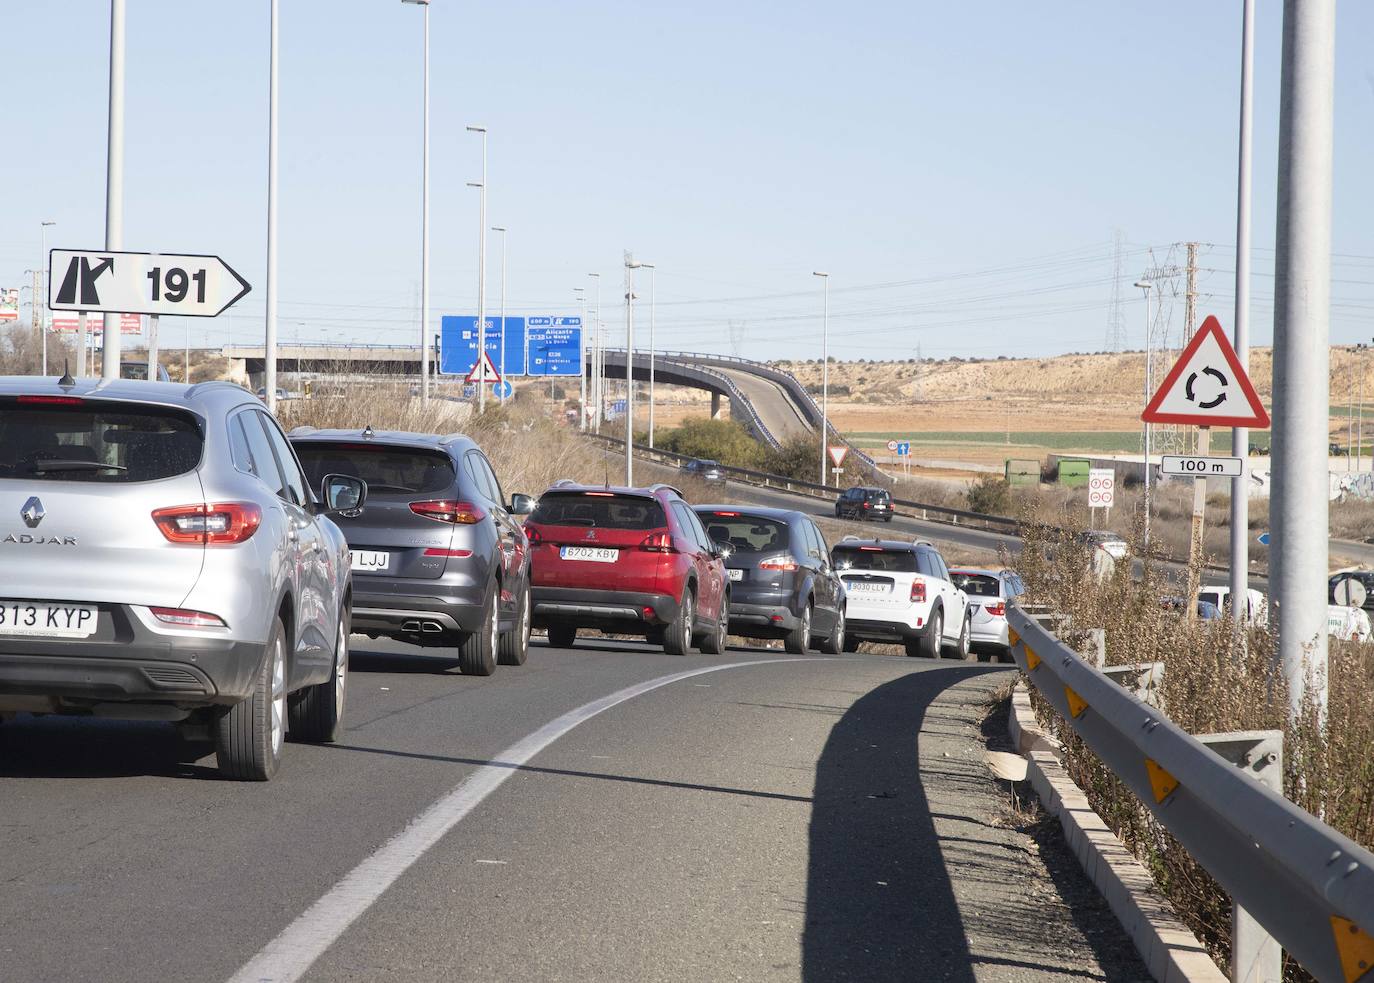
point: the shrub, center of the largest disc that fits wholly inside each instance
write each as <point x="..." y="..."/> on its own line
<point x="725" y="441"/>
<point x="798" y="457"/>
<point x="990" y="494"/>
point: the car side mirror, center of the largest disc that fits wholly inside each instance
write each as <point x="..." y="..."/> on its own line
<point x="521" y="504"/>
<point x="721" y="550"/>
<point x="343" y="493"/>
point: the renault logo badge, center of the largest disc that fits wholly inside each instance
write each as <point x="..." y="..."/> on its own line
<point x="32" y="512"/>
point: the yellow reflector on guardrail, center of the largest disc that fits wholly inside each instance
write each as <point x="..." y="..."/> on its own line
<point x="1161" y="782"/>
<point x="1012" y="637"/>
<point x="1355" y="947"/>
<point x="1076" y="703"/>
<point x="1032" y="660"/>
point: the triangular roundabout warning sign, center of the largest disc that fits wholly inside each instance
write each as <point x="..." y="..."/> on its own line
<point x="1207" y="386"/>
<point x="484" y="371"/>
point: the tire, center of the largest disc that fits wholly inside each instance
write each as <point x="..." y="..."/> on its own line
<point x="249" y="735"/>
<point x="562" y="636"/>
<point x="677" y="637"/>
<point x="851" y="644"/>
<point x="715" y="641"/>
<point x="477" y="653"/>
<point x="835" y="643"/>
<point x="837" y="512"/>
<point x="927" y="646"/>
<point x="514" y="647"/>
<point x="963" y="649"/>
<point x="798" y="640"/>
<point x="315" y="714"/>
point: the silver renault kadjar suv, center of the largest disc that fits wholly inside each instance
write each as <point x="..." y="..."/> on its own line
<point x="438" y="558"/>
<point x="162" y="558"/>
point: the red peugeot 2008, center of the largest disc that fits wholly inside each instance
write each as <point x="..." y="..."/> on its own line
<point x="633" y="561"/>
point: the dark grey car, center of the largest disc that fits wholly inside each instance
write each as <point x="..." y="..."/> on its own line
<point x="709" y="471"/>
<point x="438" y="557"/>
<point x="782" y="582"/>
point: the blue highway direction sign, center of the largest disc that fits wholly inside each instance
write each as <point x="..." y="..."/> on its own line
<point x="555" y="345"/>
<point x="458" y="344"/>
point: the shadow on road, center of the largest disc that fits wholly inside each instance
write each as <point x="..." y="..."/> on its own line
<point x="83" y="747"/>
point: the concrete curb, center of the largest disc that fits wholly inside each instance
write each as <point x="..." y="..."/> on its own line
<point x="1172" y="953"/>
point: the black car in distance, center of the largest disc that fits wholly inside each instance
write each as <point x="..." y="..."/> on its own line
<point x="709" y="471"/>
<point x="782" y="582"/>
<point x="865" y="503"/>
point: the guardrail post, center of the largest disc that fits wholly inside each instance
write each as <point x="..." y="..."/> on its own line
<point x="1255" y="955"/>
<point x="1145" y="680"/>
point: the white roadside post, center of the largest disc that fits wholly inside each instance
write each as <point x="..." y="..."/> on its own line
<point x="152" y="347"/>
<point x="1302" y="304"/>
<point x="825" y="371"/>
<point x="114" y="173"/>
<point x="1240" y="436"/>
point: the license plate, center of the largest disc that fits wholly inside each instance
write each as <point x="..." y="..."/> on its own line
<point x="49" y="620"/>
<point x="371" y="560"/>
<point x="736" y="574"/>
<point x="865" y="587"/>
<point x="597" y="554"/>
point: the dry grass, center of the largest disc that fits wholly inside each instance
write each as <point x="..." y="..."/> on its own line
<point x="1211" y="684"/>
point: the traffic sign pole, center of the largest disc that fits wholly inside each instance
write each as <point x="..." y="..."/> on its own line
<point x="114" y="177"/>
<point x="1240" y="436"/>
<point x="1195" y="548"/>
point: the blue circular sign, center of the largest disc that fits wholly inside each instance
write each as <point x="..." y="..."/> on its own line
<point x="502" y="389"/>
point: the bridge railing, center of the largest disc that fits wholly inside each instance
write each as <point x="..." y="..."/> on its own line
<point x="1307" y="885"/>
<point x="764" y="479"/>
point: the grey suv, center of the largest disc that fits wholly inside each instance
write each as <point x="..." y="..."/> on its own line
<point x="438" y="558"/>
<point x="165" y="559"/>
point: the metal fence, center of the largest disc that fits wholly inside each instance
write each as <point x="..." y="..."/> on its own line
<point x="1307" y="885"/>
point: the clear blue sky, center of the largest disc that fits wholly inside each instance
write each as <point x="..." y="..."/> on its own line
<point x="959" y="169"/>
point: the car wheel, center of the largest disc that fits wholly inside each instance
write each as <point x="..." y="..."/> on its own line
<point x="835" y="644"/>
<point x="715" y="641"/>
<point x="514" y="647"/>
<point x="477" y="653"/>
<point x="315" y="714"/>
<point x="963" y="649"/>
<point x="799" y="638"/>
<point x="562" y="636"/>
<point x="677" y="637"/>
<point x="928" y="645"/>
<point x="249" y="735"/>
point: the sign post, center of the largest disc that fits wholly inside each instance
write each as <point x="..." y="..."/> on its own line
<point x="1207" y="387"/>
<point x="1101" y="494"/>
<point x="837" y="454"/>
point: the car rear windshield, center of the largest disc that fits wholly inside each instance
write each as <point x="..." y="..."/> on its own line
<point x="599" y="510"/>
<point x="878" y="495"/>
<point x="44" y="439"/>
<point x="386" y="469"/>
<point x="874" y="558"/>
<point x="977" y="584"/>
<point x="746" y="533"/>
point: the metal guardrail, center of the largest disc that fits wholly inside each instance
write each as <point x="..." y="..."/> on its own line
<point x="1309" y="886"/>
<point x="765" y="479"/>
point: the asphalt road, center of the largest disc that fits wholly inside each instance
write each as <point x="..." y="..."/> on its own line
<point x="798" y="819"/>
<point x="779" y="413"/>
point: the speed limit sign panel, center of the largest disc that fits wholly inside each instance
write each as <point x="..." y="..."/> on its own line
<point x="1101" y="488"/>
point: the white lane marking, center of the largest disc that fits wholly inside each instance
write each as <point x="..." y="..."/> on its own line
<point x="290" y="954"/>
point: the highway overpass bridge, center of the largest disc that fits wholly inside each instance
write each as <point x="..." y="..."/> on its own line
<point x="771" y="403"/>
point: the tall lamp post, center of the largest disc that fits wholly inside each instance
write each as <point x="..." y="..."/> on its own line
<point x="502" y="229"/>
<point x="581" y="359"/>
<point x="825" y="372"/>
<point x="114" y="168"/>
<point x="270" y="327"/>
<point x="596" y="359"/>
<point x="652" y="272"/>
<point x="1147" y="286"/>
<point x="1360" y="349"/>
<point x="481" y="269"/>
<point x="424" y="216"/>
<point x="42" y="318"/>
<point x="630" y="266"/>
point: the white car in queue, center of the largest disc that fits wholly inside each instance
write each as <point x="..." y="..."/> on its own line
<point x="989" y="592"/>
<point x="900" y="592"/>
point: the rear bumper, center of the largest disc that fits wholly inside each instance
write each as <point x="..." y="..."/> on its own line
<point x="761" y="620"/>
<point x="990" y="635"/>
<point x="54" y="675"/>
<point x="882" y="631"/>
<point x="415" y="608"/>
<point x="610" y="610"/>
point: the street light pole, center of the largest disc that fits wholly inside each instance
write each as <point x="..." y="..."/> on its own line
<point x="596" y="359"/>
<point x="481" y="271"/>
<point x="114" y="170"/>
<point x="424" y="215"/>
<point x="1147" y="286"/>
<point x="581" y="359"/>
<point x="825" y="372"/>
<point x="630" y="266"/>
<point x="1240" y="436"/>
<point x="270" y="347"/>
<point x="502" y="230"/>
<point x="42" y="310"/>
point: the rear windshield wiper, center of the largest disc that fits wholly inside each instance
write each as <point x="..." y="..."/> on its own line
<point x="60" y="464"/>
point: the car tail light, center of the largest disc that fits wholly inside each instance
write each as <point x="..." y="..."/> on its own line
<point x="222" y="524"/>
<point x="436" y="551"/>
<point x="726" y="514"/>
<point x="533" y="534"/>
<point x="659" y="542"/>
<point x="867" y="505"/>
<point x="459" y="513"/>
<point x="918" y="590"/>
<point x="783" y="562"/>
<point x="870" y="549"/>
<point x="997" y="610"/>
<point x="51" y="400"/>
<point x="188" y="619"/>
